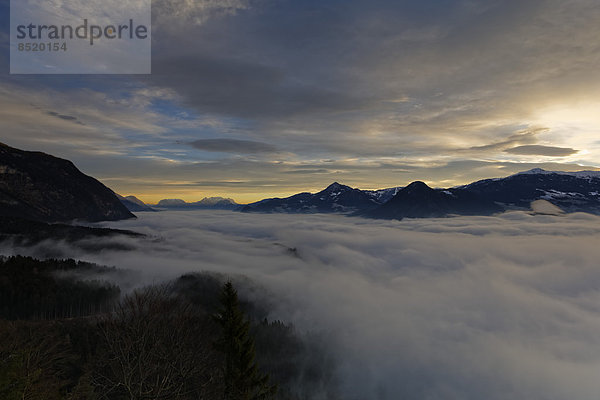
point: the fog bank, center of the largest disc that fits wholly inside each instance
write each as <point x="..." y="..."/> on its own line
<point x="503" y="307"/>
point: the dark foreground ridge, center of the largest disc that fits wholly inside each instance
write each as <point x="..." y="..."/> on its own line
<point x="38" y="186"/>
<point x="68" y="331"/>
<point x="22" y="232"/>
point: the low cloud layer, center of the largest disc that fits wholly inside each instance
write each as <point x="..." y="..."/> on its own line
<point x="461" y="308"/>
<point x="537" y="150"/>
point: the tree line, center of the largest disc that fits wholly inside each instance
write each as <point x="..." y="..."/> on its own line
<point x="188" y="339"/>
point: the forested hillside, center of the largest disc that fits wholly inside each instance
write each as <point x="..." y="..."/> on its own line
<point x="65" y="337"/>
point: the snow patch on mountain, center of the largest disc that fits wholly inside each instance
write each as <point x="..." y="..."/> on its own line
<point x="171" y="203"/>
<point x="383" y="195"/>
<point x="578" y="174"/>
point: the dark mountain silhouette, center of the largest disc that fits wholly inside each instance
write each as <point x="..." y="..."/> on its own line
<point x="418" y="200"/>
<point x="571" y="191"/>
<point x="38" y="186"/>
<point x="336" y="198"/>
<point x="207" y="203"/>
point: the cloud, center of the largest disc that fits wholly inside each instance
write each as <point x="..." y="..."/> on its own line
<point x="309" y="171"/>
<point x="386" y="79"/>
<point x="65" y="117"/>
<point x="171" y="14"/>
<point x="413" y="85"/>
<point x="526" y="136"/>
<point x="538" y="150"/>
<point x="233" y="146"/>
<point x="228" y="86"/>
<point x="247" y="180"/>
<point x="460" y="308"/>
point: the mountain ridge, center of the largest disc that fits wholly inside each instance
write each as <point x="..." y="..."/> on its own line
<point x="570" y="191"/>
<point x="335" y="198"/>
<point x="207" y="203"/>
<point x="134" y="204"/>
<point x="41" y="187"/>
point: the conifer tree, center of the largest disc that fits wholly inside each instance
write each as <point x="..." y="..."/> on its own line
<point x="242" y="378"/>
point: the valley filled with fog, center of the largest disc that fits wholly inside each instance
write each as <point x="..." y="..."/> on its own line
<point x="496" y="307"/>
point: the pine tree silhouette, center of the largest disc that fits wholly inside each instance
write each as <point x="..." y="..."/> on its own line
<point x="243" y="380"/>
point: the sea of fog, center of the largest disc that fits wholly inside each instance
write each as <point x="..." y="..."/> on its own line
<point x="504" y="307"/>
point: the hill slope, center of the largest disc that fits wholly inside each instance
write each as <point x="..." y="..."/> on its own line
<point x="134" y="204"/>
<point x="41" y="187"/>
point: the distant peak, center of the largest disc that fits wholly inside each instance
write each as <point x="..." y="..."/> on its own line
<point x="171" y="202"/>
<point x="578" y="174"/>
<point x="418" y="185"/>
<point x="535" y="171"/>
<point x="211" y="201"/>
<point x="417" y="188"/>
<point x="336" y="186"/>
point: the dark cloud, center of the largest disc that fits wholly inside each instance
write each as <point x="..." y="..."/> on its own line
<point x="364" y="79"/>
<point x="537" y="150"/>
<point x="229" y="86"/>
<point x="65" y="117"/>
<point x="233" y="146"/>
<point x="528" y="136"/>
<point x="407" y="84"/>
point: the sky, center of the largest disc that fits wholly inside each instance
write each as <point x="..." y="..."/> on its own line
<point x="468" y="308"/>
<point x="259" y="98"/>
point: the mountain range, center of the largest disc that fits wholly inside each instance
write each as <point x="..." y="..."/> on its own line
<point x="336" y="198"/>
<point x="39" y="187"/>
<point x="207" y="203"/>
<point x="418" y="200"/>
<point x="570" y="191"/>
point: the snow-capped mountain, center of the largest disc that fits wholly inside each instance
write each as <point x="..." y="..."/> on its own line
<point x="418" y="200"/>
<point x="383" y="195"/>
<point x="571" y="191"/>
<point x="171" y="203"/>
<point x="207" y="203"/>
<point x="336" y="198"/>
<point x="215" y="202"/>
<point x="578" y="174"/>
